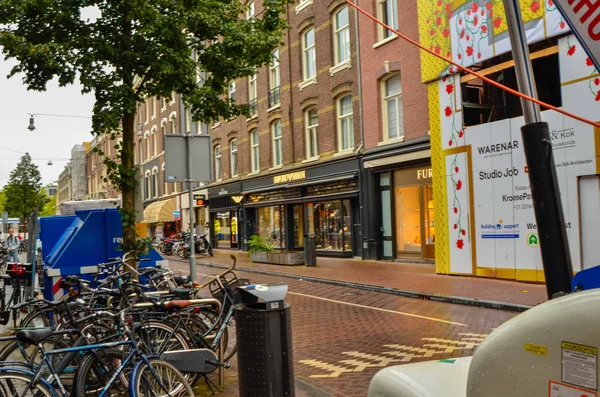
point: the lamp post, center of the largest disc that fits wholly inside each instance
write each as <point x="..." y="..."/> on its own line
<point x="32" y="117"/>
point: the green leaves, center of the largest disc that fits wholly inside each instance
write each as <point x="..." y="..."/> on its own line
<point x="23" y="193"/>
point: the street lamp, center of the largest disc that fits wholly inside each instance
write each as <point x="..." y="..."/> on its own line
<point x="33" y="115"/>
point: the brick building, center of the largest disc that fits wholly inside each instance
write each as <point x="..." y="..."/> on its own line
<point x="97" y="188"/>
<point x="156" y="117"/>
<point x="64" y="187"/>
<point x="398" y="215"/>
<point x="292" y="168"/>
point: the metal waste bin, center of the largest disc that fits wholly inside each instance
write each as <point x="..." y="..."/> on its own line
<point x="310" y="250"/>
<point x="264" y="342"/>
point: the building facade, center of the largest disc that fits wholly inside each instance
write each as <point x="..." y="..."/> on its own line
<point x="396" y="162"/>
<point x="291" y="169"/>
<point x="157" y="117"/>
<point x="78" y="164"/>
<point x="97" y="187"/>
<point x="64" y="192"/>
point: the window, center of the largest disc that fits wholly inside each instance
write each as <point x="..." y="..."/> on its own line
<point x="277" y="144"/>
<point x="163" y="129"/>
<point x="345" y="123"/>
<point x="188" y="121"/>
<point x="154" y="141"/>
<point x="309" y="59"/>
<point x="141" y="149"/>
<point x="163" y="103"/>
<point x="312" y="134"/>
<point x="147" y="185"/>
<point x="172" y="97"/>
<point x="387" y="11"/>
<point x="271" y="225"/>
<point x="173" y="125"/>
<point x="255" y="152"/>
<point x="147" y="109"/>
<point x="342" y="36"/>
<point x="147" y="141"/>
<point x="233" y="162"/>
<point x="331" y="223"/>
<point x="252" y="94"/>
<point x="164" y="176"/>
<point x="274" y="80"/>
<point x="218" y="175"/>
<point x="153" y="107"/>
<point x="393" y="121"/>
<point x="203" y="128"/>
<point x="155" y="182"/>
<point x="250" y="11"/>
<point x="232" y="90"/>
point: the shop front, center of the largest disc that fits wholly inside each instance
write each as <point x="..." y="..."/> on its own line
<point x="400" y="222"/>
<point x="320" y="201"/>
<point x="158" y="216"/>
<point x="225" y="209"/>
<point x="200" y="212"/>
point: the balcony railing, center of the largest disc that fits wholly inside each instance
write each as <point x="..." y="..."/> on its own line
<point x="253" y="107"/>
<point x="274" y="97"/>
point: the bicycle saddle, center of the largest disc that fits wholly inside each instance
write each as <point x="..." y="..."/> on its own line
<point x="181" y="293"/>
<point x="35" y="336"/>
<point x="5" y="277"/>
<point x="181" y="280"/>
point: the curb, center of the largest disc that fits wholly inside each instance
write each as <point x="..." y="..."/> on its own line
<point x="457" y="300"/>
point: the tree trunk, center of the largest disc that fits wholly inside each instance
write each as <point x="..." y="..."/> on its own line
<point x="128" y="187"/>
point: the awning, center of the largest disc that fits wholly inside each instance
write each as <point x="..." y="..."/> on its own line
<point x="160" y="211"/>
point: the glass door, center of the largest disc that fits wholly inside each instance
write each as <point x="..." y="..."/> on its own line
<point x="234" y="229"/>
<point x="429" y="223"/>
<point x="409" y="239"/>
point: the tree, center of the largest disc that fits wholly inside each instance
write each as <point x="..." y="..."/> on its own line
<point x="138" y="49"/>
<point x="50" y="206"/>
<point x="23" y="193"/>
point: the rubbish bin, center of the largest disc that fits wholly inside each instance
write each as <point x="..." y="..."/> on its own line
<point x="264" y="342"/>
<point x="310" y="250"/>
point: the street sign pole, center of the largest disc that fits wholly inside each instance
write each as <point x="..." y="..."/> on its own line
<point x="537" y="146"/>
<point x="192" y="215"/>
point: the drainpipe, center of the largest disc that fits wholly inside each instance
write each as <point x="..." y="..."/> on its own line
<point x="361" y="188"/>
<point x="290" y="107"/>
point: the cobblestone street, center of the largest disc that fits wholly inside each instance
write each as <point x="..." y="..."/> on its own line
<point x="343" y="336"/>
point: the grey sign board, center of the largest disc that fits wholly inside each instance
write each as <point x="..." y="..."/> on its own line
<point x="176" y="158"/>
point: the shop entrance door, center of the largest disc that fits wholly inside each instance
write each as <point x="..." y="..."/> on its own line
<point x="415" y="233"/>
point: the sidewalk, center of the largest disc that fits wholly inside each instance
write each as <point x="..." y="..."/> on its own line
<point x="415" y="280"/>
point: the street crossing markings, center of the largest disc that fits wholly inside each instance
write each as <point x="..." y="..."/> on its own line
<point x="439" y="320"/>
<point x="401" y="354"/>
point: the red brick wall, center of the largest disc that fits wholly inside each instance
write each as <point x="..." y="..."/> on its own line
<point x="402" y="57"/>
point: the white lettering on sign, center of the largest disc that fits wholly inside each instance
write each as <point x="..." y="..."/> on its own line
<point x="584" y="18"/>
<point x="424" y="174"/>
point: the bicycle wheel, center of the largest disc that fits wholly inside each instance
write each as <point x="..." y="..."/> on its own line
<point x="159" y="379"/>
<point x="39" y="318"/>
<point x="96" y="370"/>
<point x="15" y="383"/>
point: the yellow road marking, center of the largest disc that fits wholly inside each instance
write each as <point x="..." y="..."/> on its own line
<point x="439" y="320"/>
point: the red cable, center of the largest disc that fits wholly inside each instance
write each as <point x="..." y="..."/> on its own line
<point x="488" y="80"/>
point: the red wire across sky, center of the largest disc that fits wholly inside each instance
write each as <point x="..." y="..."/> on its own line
<point x="486" y="79"/>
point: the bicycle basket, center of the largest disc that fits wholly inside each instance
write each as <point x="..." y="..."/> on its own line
<point x="230" y="283"/>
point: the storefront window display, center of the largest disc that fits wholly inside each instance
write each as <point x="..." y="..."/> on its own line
<point x="223" y="229"/>
<point x="331" y="222"/>
<point x="271" y="225"/>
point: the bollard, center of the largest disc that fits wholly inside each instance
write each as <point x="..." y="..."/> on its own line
<point x="264" y="342"/>
<point x="310" y="250"/>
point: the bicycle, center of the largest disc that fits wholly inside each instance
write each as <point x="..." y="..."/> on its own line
<point x="19" y="278"/>
<point x="148" y="377"/>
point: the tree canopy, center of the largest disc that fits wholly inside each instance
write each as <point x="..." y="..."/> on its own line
<point x="23" y="193"/>
<point x="126" y="50"/>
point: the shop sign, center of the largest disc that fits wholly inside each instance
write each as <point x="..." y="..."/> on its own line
<point x="223" y="192"/>
<point x="413" y="176"/>
<point x="176" y="215"/>
<point x="292" y="176"/>
<point x="237" y="199"/>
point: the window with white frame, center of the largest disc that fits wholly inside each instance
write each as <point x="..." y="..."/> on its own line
<point x="250" y="10"/>
<point x="277" y="144"/>
<point x="147" y="190"/>
<point x="155" y="141"/>
<point x="312" y="133"/>
<point x="173" y="97"/>
<point x="255" y="151"/>
<point x="274" y="80"/>
<point x="163" y="103"/>
<point x="155" y="182"/>
<point x="164" y="176"/>
<point x="218" y="171"/>
<point x="345" y="123"/>
<point x="393" y="117"/>
<point x="252" y="94"/>
<point x="147" y="109"/>
<point x="387" y="11"/>
<point x="188" y="121"/>
<point x="163" y="129"/>
<point x="232" y="90"/>
<point x="309" y="59"/>
<point x="173" y="125"/>
<point x="341" y="25"/>
<point x="147" y="142"/>
<point x="153" y="107"/>
<point x="233" y="157"/>
<point x="141" y="151"/>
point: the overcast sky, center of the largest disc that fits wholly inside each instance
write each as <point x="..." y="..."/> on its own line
<point x="53" y="138"/>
